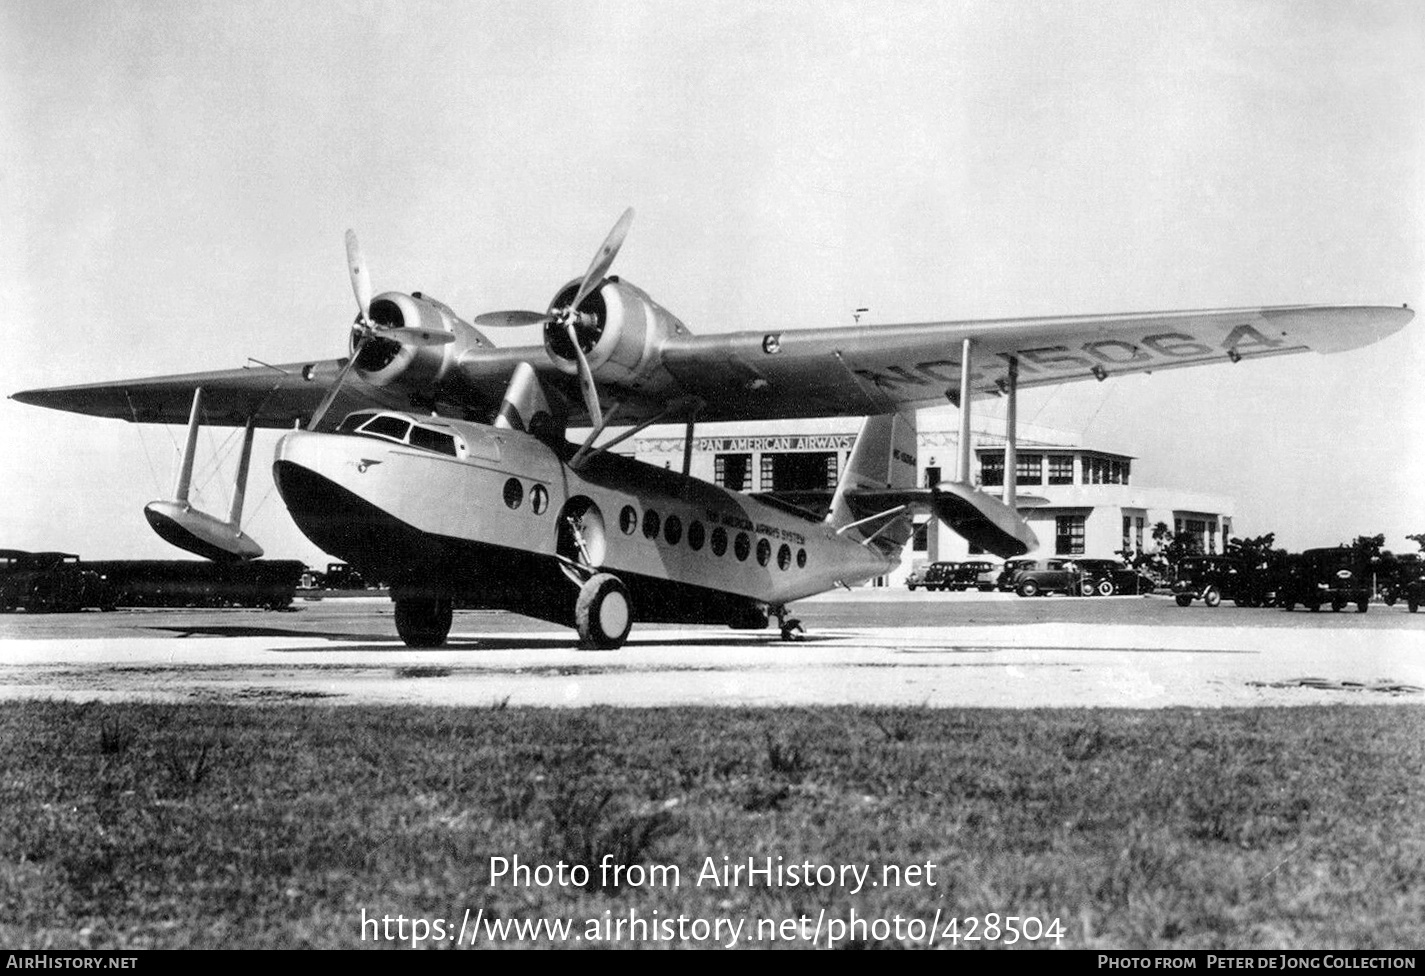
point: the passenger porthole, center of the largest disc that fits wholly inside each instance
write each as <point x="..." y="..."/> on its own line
<point x="538" y="499"/>
<point x="514" y="493"/>
<point x="673" y="530"/>
<point x="719" y="541"/>
<point x="651" y="522"/>
<point x="784" y="557"/>
<point x="764" y="552"/>
<point x="801" y="559"/>
<point x="696" y="535"/>
<point x="628" y="520"/>
<point x="741" y="547"/>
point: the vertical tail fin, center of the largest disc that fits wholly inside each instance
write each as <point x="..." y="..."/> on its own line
<point x="884" y="457"/>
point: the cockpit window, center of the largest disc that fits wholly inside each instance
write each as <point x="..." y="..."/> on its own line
<point x="433" y="440"/>
<point x="383" y="426"/>
<point x="352" y="422"/>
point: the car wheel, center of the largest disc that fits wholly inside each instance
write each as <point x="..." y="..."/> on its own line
<point x="1028" y="588"/>
<point x="1212" y="596"/>
<point x="1105" y="587"/>
<point x="1184" y="600"/>
<point x="1337" y="606"/>
<point x="1361" y="605"/>
<point x="1086" y="588"/>
<point x="1412" y="604"/>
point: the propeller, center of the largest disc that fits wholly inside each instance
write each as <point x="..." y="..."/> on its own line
<point x="366" y="330"/>
<point x="569" y="316"/>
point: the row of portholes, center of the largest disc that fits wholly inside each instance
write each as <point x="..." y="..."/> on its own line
<point x="538" y="496"/>
<point x="671" y="529"/>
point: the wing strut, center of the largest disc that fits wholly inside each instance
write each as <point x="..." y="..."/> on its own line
<point x="984" y="520"/>
<point x="179" y="523"/>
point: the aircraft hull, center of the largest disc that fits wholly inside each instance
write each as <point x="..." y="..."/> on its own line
<point x="445" y="526"/>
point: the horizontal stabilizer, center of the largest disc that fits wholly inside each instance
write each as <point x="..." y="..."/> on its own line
<point x="983" y="520"/>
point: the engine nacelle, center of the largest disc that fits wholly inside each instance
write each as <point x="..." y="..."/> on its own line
<point x="625" y="342"/>
<point x="419" y="368"/>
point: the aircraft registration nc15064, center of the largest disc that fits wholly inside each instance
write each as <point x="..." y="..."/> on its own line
<point x="448" y="469"/>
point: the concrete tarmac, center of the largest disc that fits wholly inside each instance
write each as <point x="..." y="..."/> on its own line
<point x="865" y="648"/>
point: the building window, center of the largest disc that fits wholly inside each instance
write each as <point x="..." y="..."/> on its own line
<point x="1196" y="530"/>
<point x="1061" y="469"/>
<point x="920" y="541"/>
<point x="992" y="470"/>
<point x="932" y="477"/>
<point x="799" y="471"/>
<point x="731" y="471"/>
<point x="1138" y="533"/>
<point x="1127" y="533"/>
<point x="1069" y="535"/>
<point x="1212" y="538"/>
<point x="1029" y="469"/>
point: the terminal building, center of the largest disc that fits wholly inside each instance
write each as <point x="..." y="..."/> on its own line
<point x="1080" y="500"/>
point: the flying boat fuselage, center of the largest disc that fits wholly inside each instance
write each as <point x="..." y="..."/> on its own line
<point x="488" y="516"/>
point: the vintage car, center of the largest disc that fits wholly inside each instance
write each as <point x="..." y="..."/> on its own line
<point x="936" y="576"/>
<point x="1110" y="577"/>
<point x="1406" y="581"/>
<point x="1044" y="576"/>
<point x="1331" y="577"/>
<point x="1213" y="579"/>
<point x="975" y="574"/>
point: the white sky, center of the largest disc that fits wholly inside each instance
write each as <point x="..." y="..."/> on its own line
<point x="176" y="178"/>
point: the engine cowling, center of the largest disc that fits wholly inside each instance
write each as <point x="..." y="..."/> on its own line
<point x="624" y="341"/>
<point x="419" y="368"/>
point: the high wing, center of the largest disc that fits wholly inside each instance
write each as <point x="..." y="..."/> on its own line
<point x="879" y="369"/>
<point x="756" y="375"/>
<point x="275" y="396"/>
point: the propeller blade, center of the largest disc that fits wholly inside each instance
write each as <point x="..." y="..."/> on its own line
<point x="586" y="381"/>
<point x="360" y="279"/>
<point x="604" y="258"/>
<point x="505" y="320"/>
<point x="327" y="400"/>
<point x="416" y="337"/>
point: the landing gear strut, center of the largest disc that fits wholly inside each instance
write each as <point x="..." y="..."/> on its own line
<point x="792" y="629"/>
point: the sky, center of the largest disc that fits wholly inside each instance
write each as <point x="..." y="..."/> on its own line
<point x="176" y="179"/>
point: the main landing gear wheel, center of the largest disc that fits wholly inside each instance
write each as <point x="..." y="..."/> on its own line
<point x="423" y="623"/>
<point x="792" y="629"/>
<point x="603" y="613"/>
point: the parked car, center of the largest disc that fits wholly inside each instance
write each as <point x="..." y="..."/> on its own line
<point x="976" y="574"/>
<point x="1213" y="579"/>
<point x="1330" y="577"/>
<point x="1004" y="582"/>
<point x="937" y="576"/>
<point x="1046" y="576"/>
<point x="1107" y="577"/>
<point x="1406" y="582"/>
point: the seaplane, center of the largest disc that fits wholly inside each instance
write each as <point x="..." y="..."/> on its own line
<point x="475" y="475"/>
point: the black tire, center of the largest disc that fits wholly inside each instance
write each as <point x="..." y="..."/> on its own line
<point x="1028" y="588"/>
<point x="1313" y="607"/>
<point x="1412" y="604"/>
<point x="1337" y="606"/>
<point x="1106" y="588"/>
<point x="1362" y="605"/>
<point x="1212" y="596"/>
<point x="424" y="622"/>
<point x="1184" y="599"/>
<point x="603" y="613"/>
<point x="1086" y="588"/>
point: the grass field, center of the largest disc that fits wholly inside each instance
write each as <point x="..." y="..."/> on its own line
<point x="213" y="826"/>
